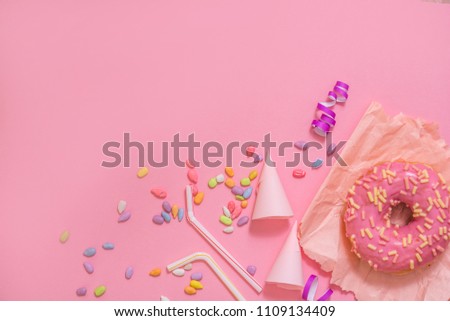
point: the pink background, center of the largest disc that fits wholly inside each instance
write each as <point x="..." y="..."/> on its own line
<point x="75" y="74"/>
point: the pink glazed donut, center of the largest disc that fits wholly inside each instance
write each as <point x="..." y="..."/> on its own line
<point x="397" y="217"/>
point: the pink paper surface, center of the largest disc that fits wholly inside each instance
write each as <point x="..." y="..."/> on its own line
<point x="75" y="75"/>
<point x="378" y="138"/>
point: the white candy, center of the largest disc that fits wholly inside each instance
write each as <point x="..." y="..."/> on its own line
<point x="188" y="267"/>
<point x="228" y="229"/>
<point x="220" y="178"/>
<point x="164" y="298"/>
<point x="178" y="272"/>
<point x="121" y="206"/>
<point x="226" y="211"/>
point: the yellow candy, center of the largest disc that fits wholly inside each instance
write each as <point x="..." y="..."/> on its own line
<point x="198" y="199"/>
<point x="64" y="237"/>
<point x="174" y="211"/>
<point x="196" y="284"/>
<point x="240" y="198"/>
<point x="244" y="204"/>
<point x="142" y="172"/>
<point x="253" y="174"/>
<point x="229" y="171"/>
<point x="229" y="182"/>
<point x="100" y="290"/>
<point x="245" y="181"/>
<point x="190" y="290"/>
<point x="155" y="272"/>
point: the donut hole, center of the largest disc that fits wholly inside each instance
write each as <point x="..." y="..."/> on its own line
<point x="400" y="214"/>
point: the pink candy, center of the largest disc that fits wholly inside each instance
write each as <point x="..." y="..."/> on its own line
<point x="298" y="173"/>
<point x="192" y="175"/>
<point x="159" y="193"/>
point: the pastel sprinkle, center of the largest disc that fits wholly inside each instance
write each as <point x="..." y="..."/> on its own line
<point x="192" y="175"/>
<point x="81" y="291"/>
<point x="188" y="267"/>
<point x="251" y="269"/>
<point x="64" y="237"/>
<point x="158" y="219"/>
<point x="180" y="214"/>
<point x="244" y="204"/>
<point x="196" y="284"/>
<point x="242" y="221"/>
<point x="194" y="189"/>
<point x="239" y="197"/>
<point x="235" y="214"/>
<point x="190" y="290"/>
<point x="301" y="144"/>
<point x="125" y="216"/>
<point x="212" y="182"/>
<point x="298" y="173"/>
<point x="129" y="272"/>
<point x="226" y="211"/>
<point x="250" y="150"/>
<point x="99" y="291"/>
<point x="225" y="220"/>
<point x="228" y="229"/>
<point x="247" y="192"/>
<point x="231" y="206"/>
<point x="155" y="272"/>
<point x="198" y="276"/>
<point x="229" y="171"/>
<point x="121" y="206"/>
<point x="237" y="190"/>
<point x="257" y="158"/>
<point x="317" y="163"/>
<point x="159" y="193"/>
<point x="220" y="178"/>
<point x="175" y="210"/>
<point x="90" y="251"/>
<point x="229" y="182"/>
<point x="198" y="199"/>
<point x="163" y="298"/>
<point x="245" y="181"/>
<point x="166" y="206"/>
<point x="166" y="216"/>
<point x="108" y="246"/>
<point x="88" y="267"/>
<point x="178" y="272"/>
<point x="253" y="174"/>
<point x="142" y="172"/>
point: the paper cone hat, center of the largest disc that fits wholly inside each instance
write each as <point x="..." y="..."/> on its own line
<point x="287" y="270"/>
<point x="271" y="200"/>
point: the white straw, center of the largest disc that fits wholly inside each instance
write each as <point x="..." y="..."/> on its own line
<point x="200" y="256"/>
<point x="212" y="240"/>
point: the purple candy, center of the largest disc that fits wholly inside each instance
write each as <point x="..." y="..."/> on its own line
<point x="125" y="216"/>
<point x="242" y="221"/>
<point x="257" y="158"/>
<point x="237" y="190"/>
<point x="251" y="269"/>
<point x="81" y="291"/>
<point x="166" y="206"/>
<point x="197" y="276"/>
<point x="158" y="219"/>
<point x="129" y="272"/>
<point x="88" y="267"/>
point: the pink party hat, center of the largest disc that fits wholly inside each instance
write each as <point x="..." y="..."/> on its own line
<point x="271" y="200"/>
<point x="287" y="270"/>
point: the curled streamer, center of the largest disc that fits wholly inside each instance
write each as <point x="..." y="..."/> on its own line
<point x="310" y="289"/>
<point x="327" y="120"/>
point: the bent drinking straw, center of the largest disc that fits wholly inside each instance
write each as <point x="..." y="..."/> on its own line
<point x="201" y="256"/>
<point x="219" y="248"/>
